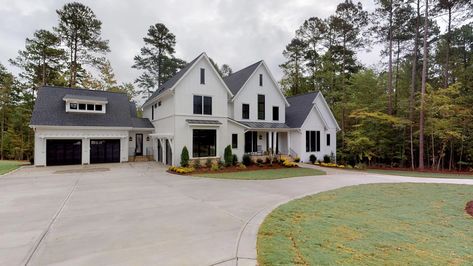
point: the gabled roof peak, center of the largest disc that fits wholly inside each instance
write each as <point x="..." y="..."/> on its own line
<point x="236" y="80"/>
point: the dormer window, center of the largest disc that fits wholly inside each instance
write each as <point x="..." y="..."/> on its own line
<point x="85" y="104"/>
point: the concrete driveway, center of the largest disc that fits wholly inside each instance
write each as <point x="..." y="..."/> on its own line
<point x="137" y="214"/>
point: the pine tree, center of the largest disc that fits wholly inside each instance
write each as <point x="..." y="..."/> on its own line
<point x="80" y="31"/>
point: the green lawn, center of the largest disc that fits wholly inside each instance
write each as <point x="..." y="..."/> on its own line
<point x="419" y="174"/>
<point x="265" y="174"/>
<point x="378" y="224"/>
<point x="7" y="166"/>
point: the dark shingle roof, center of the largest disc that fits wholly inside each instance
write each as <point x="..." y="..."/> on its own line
<point x="49" y="109"/>
<point x="264" y="125"/>
<point x="300" y="106"/>
<point x="170" y="82"/>
<point x="141" y="123"/>
<point x="236" y="80"/>
<point x="203" y="122"/>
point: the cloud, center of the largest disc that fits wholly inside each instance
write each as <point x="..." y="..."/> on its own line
<point x="235" y="32"/>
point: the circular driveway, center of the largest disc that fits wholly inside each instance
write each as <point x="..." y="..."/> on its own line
<point x="137" y="214"/>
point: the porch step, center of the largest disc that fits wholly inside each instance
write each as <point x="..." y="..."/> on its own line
<point x="140" y="159"/>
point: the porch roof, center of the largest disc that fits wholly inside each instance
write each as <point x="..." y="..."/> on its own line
<point x="264" y="125"/>
<point x="203" y="122"/>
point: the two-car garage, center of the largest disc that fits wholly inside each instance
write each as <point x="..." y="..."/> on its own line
<point x="69" y="151"/>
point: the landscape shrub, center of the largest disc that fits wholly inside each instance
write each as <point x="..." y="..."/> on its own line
<point x="214" y="167"/>
<point x="184" y="157"/>
<point x="259" y="161"/>
<point x="287" y="163"/>
<point x="297" y="159"/>
<point x="360" y="166"/>
<point x="235" y="159"/>
<point x="312" y="158"/>
<point x="208" y="163"/>
<point x="241" y="166"/>
<point x="327" y="158"/>
<point x="246" y="160"/>
<point x="181" y="170"/>
<point x="228" y="156"/>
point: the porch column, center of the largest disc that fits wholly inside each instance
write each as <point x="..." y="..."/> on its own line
<point x="270" y="140"/>
<point x="289" y="143"/>
<point x="275" y="142"/>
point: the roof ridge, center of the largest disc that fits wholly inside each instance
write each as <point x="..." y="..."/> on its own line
<point x="78" y="88"/>
<point x="302" y="94"/>
<point x="245" y="68"/>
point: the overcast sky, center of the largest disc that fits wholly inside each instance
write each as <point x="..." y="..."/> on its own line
<point x="235" y="32"/>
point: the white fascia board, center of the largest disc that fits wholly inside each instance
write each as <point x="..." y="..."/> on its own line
<point x="328" y="108"/>
<point x="165" y="93"/>
<point x="246" y="81"/>
<point x="79" y="127"/>
<point x="276" y="84"/>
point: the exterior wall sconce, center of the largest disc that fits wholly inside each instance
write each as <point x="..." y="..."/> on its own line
<point x="260" y="137"/>
<point x="147" y="138"/>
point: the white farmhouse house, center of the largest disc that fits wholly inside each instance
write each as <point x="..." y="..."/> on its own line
<point x="196" y="108"/>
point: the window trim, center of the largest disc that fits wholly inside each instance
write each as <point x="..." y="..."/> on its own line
<point x="85" y="107"/>
<point x="275" y="106"/>
<point x="312" y="141"/>
<point x="263" y="111"/>
<point x="249" y="113"/>
<point x="261" y="80"/>
<point x="216" y="143"/>
<point x="328" y="139"/>
<point x="202" y="104"/>
<point x="234" y="141"/>
<point x="202" y="76"/>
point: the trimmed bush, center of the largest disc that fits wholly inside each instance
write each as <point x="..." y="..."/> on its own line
<point x="184" y="157"/>
<point x="312" y="158"/>
<point x="235" y="159"/>
<point x="208" y="163"/>
<point x="228" y="156"/>
<point x="246" y="160"/>
<point x="327" y="159"/>
<point x="297" y="159"/>
<point x="214" y="167"/>
<point x="259" y="161"/>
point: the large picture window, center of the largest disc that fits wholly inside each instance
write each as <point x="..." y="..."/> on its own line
<point x="312" y="141"/>
<point x="202" y="105"/>
<point x="204" y="143"/>
<point x="261" y="106"/>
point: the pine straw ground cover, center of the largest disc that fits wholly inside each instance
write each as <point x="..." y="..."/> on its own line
<point x="376" y="224"/>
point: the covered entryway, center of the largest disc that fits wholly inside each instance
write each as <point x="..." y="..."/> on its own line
<point x="63" y="151"/>
<point x="104" y="151"/>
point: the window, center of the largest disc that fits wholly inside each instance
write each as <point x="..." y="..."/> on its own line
<point x="73" y="106"/>
<point x="245" y="111"/>
<point x="207" y="105"/>
<point x="81" y="106"/>
<point x="261" y="80"/>
<point x="155" y="105"/>
<point x="312" y="141"/>
<point x="202" y="76"/>
<point x="251" y="141"/>
<point x="276" y="113"/>
<point x="328" y="139"/>
<point x="204" y="143"/>
<point x="261" y="107"/>
<point x="234" y="141"/>
<point x="202" y="105"/>
<point x="159" y="103"/>
<point x="98" y="107"/>
<point x="152" y="112"/>
<point x="90" y="107"/>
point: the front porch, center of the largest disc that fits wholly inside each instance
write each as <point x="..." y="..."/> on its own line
<point x="260" y="144"/>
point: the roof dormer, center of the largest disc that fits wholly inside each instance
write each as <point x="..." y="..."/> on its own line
<point x="85" y="104"/>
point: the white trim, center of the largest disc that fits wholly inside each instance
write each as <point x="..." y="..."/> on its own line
<point x="328" y="108"/>
<point x="238" y="123"/>
<point x="271" y="77"/>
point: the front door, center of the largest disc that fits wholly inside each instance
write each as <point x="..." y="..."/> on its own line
<point x="139" y="145"/>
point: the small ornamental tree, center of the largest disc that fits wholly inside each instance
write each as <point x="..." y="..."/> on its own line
<point x="228" y="156"/>
<point x="184" y="157"/>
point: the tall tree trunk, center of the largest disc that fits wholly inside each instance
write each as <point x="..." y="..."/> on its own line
<point x="447" y="56"/>
<point x="424" y="81"/>
<point x="390" y="63"/>
<point x="413" y="84"/>
<point x="396" y="89"/>
<point x="43" y="70"/>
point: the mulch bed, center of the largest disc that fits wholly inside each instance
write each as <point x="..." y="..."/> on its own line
<point x="426" y="170"/>
<point x="231" y="169"/>
<point x="469" y="208"/>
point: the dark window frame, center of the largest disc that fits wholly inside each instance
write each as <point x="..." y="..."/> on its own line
<point x="276" y="114"/>
<point x="197" y="104"/>
<point x="251" y="141"/>
<point x="234" y="141"/>
<point x="207" y="105"/>
<point x="204" y="143"/>
<point x="261" y="80"/>
<point x="152" y="112"/>
<point x="202" y="105"/>
<point x="245" y="114"/>
<point x="73" y="106"/>
<point x="312" y="141"/>
<point x="328" y="139"/>
<point x="202" y="76"/>
<point x="261" y="106"/>
<point x="100" y="109"/>
<point x="82" y="106"/>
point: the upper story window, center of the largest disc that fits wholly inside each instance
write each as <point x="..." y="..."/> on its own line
<point x="202" y="105"/>
<point x="152" y="112"/>
<point x="245" y="111"/>
<point x="85" y="104"/>
<point x="202" y="76"/>
<point x="261" y="107"/>
<point x="261" y="80"/>
<point x="276" y="113"/>
<point x="328" y="139"/>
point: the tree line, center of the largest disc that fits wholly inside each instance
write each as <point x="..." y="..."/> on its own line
<point x="417" y="110"/>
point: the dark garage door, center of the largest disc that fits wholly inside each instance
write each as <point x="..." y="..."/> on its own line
<point x="64" y="151"/>
<point x="104" y="151"/>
